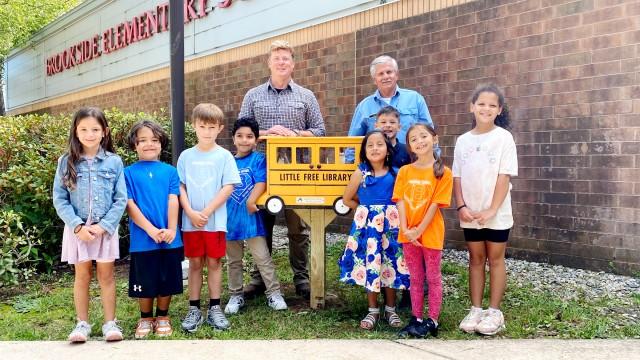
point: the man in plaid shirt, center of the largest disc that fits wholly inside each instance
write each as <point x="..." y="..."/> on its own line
<point x="282" y="107"/>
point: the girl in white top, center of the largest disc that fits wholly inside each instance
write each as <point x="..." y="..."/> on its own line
<point x="483" y="163"/>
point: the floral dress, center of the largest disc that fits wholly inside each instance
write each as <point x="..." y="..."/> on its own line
<point x="372" y="257"/>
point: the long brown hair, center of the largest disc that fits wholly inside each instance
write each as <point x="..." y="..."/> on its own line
<point x="438" y="165"/>
<point x="75" y="150"/>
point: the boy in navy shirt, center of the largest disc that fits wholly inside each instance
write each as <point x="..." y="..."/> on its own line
<point x="388" y="121"/>
<point x="244" y="224"/>
<point x="156" y="248"/>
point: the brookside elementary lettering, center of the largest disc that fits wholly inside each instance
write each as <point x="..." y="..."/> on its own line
<point x="314" y="177"/>
<point x="122" y="35"/>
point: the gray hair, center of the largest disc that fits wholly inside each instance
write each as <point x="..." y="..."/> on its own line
<point x="383" y="59"/>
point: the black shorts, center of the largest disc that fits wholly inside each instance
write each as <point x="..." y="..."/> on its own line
<point x="491" y="235"/>
<point x="156" y="273"/>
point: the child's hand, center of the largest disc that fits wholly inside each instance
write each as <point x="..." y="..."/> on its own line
<point x="413" y="235"/>
<point x="252" y="207"/>
<point x="484" y="216"/>
<point x="168" y="235"/>
<point x="85" y="235"/>
<point x="198" y="219"/>
<point x="465" y="215"/>
<point x="156" y="235"/>
<point x="95" y="229"/>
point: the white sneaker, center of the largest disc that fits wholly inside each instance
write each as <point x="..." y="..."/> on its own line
<point x="473" y="318"/>
<point x="492" y="322"/>
<point x="80" y="333"/>
<point x="235" y="303"/>
<point x="111" y="331"/>
<point x="276" y="302"/>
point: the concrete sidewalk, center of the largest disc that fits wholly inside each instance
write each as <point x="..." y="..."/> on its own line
<point x="326" y="349"/>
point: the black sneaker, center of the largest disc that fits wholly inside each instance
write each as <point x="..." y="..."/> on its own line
<point x="409" y="329"/>
<point x="303" y="290"/>
<point x="426" y="327"/>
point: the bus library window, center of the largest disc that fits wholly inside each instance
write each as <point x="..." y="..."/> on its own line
<point x="303" y="155"/>
<point x="327" y="155"/>
<point x="284" y="155"/>
<point x="347" y="155"/>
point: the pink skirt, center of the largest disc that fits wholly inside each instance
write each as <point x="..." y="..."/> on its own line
<point x="75" y="251"/>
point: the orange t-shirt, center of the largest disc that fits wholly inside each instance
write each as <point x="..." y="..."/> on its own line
<point x="418" y="188"/>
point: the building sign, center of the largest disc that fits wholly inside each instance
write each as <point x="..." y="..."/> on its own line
<point x="139" y="28"/>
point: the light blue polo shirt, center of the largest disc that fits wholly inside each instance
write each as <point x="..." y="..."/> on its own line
<point x="204" y="173"/>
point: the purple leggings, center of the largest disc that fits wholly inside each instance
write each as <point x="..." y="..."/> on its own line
<point x="419" y="258"/>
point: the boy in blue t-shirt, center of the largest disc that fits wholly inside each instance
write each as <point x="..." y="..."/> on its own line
<point x="244" y="223"/>
<point x="207" y="174"/>
<point x="156" y="248"/>
<point x="388" y="121"/>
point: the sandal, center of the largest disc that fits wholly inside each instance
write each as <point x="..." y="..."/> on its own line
<point x="392" y="317"/>
<point x="369" y="321"/>
<point x="163" y="326"/>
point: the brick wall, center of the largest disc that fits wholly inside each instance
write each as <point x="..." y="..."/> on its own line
<point x="571" y="74"/>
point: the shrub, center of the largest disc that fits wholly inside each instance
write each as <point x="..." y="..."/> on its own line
<point x="29" y="148"/>
<point x="18" y="250"/>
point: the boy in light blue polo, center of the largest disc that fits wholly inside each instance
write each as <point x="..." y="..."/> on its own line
<point x="208" y="174"/>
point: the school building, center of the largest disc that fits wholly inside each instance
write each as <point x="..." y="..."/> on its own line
<point x="570" y="70"/>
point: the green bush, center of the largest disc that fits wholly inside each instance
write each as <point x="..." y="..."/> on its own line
<point x="18" y="250"/>
<point x="29" y="148"/>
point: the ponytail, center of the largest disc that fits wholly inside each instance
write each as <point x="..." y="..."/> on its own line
<point x="438" y="165"/>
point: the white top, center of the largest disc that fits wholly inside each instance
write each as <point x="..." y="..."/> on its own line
<point x="477" y="161"/>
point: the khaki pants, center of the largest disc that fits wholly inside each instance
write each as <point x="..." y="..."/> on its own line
<point x="261" y="257"/>
<point x="298" y="246"/>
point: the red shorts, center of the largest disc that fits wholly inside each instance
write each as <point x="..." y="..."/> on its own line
<point x="200" y="243"/>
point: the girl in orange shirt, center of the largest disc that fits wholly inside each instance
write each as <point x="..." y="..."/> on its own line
<point x="421" y="189"/>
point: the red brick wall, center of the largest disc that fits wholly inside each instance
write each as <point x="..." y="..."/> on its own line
<point x="571" y="74"/>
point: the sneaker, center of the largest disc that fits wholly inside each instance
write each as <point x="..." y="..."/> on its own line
<point x="409" y="329"/>
<point x="193" y="319"/>
<point x="424" y="328"/>
<point x="276" y="302"/>
<point x="163" y="326"/>
<point x="492" y="323"/>
<point x="144" y="328"/>
<point x="473" y="318"/>
<point x="111" y="331"/>
<point x="235" y="303"/>
<point x="303" y="290"/>
<point x="216" y="318"/>
<point x="81" y="332"/>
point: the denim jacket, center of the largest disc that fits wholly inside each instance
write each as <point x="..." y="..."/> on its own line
<point x="105" y="178"/>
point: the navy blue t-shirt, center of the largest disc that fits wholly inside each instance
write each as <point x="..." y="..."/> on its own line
<point x="240" y="224"/>
<point x="400" y="156"/>
<point x="149" y="184"/>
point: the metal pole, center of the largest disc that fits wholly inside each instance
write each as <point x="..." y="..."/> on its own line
<point x="176" y="33"/>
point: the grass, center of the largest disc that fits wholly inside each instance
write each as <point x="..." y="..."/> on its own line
<point x="43" y="310"/>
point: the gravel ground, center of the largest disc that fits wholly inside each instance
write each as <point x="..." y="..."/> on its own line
<point x="565" y="282"/>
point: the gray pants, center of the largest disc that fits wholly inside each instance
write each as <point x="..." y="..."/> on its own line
<point x="298" y="246"/>
<point x="261" y="257"/>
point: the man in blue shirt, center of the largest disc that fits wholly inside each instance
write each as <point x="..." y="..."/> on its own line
<point x="410" y="104"/>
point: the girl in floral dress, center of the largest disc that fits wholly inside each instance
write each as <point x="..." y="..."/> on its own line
<point x="372" y="257"/>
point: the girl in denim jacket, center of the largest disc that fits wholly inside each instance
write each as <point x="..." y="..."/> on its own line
<point x="90" y="195"/>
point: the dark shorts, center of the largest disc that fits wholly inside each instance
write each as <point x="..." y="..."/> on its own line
<point x="156" y="273"/>
<point x="213" y="244"/>
<point x="498" y="236"/>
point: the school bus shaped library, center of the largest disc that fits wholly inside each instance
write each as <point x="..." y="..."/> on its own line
<point x="308" y="172"/>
